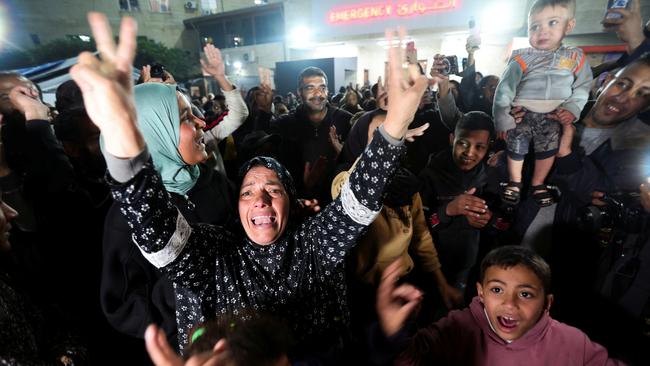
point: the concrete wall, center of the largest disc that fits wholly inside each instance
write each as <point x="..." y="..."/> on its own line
<point x="341" y="65"/>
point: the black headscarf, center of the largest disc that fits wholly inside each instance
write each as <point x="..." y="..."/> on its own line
<point x="279" y="169"/>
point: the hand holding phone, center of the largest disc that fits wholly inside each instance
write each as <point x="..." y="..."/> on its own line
<point x="411" y="53"/>
<point x="615" y="4"/>
<point x="445" y="65"/>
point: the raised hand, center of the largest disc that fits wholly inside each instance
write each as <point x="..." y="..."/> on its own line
<point x="27" y="102"/>
<point x="107" y="86"/>
<point x="395" y="304"/>
<point x="264" y="96"/>
<point x="162" y="354"/>
<point x="437" y="77"/>
<point x="404" y="93"/>
<point x="213" y="64"/>
<point x="412" y="133"/>
<point x="335" y="140"/>
<point x="629" y="27"/>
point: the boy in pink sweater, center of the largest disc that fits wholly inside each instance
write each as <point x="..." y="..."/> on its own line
<point x="508" y="323"/>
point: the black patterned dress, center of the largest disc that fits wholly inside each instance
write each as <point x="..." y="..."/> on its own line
<point x="299" y="278"/>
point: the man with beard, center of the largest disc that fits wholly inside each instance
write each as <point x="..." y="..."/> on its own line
<point x="607" y="156"/>
<point x="312" y="136"/>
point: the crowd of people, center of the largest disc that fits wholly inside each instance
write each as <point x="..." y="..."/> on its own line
<point x="413" y="221"/>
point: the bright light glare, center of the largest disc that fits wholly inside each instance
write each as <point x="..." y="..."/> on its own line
<point x="520" y="42"/>
<point x="4" y="20"/>
<point x="237" y="65"/>
<point x="384" y="43"/>
<point x="300" y="36"/>
<point x="499" y="15"/>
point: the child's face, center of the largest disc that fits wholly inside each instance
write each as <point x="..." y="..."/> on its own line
<point x="514" y="300"/>
<point x="547" y="28"/>
<point x="470" y="148"/>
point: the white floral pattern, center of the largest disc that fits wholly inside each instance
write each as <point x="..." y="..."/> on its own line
<point x="300" y="278"/>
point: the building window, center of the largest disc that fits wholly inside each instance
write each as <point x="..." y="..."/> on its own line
<point x="209" y="7"/>
<point x="129" y="5"/>
<point x="160" y="6"/>
<point x="239" y="32"/>
<point x="244" y="29"/>
<point x="269" y="27"/>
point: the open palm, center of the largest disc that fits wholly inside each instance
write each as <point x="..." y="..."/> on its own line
<point x="213" y="64"/>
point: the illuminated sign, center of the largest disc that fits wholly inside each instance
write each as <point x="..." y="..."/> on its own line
<point x="389" y="9"/>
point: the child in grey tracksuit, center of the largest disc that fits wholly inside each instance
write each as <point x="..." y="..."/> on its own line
<point x="551" y="83"/>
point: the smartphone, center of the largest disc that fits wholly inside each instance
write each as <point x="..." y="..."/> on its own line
<point x="616" y="4"/>
<point x="157" y="71"/>
<point x="411" y="53"/>
<point x="464" y="61"/>
<point x="451" y="65"/>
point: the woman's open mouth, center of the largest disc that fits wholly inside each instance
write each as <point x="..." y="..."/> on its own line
<point x="263" y="220"/>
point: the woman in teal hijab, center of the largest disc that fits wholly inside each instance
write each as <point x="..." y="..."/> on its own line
<point x="159" y="109"/>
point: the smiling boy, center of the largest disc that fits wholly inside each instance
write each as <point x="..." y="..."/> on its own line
<point x="454" y="191"/>
<point x="508" y="323"/>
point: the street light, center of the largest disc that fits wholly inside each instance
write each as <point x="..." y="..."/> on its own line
<point x="237" y="65"/>
<point x="4" y="19"/>
<point x="300" y="36"/>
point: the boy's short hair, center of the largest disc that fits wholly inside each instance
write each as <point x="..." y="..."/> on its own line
<point x="539" y="5"/>
<point x="475" y="121"/>
<point x="513" y="255"/>
<point x="310" y="72"/>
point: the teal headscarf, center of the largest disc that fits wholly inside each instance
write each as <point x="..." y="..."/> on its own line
<point x="157" y="108"/>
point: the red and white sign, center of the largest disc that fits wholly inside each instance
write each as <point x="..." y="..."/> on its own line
<point x="368" y="12"/>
